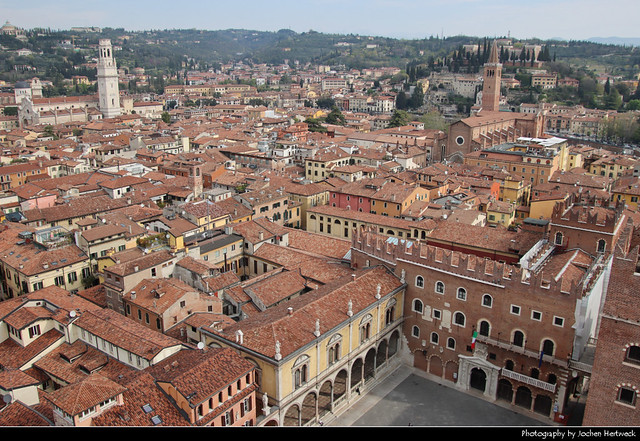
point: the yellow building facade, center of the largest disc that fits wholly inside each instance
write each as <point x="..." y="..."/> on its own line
<point x="319" y="351"/>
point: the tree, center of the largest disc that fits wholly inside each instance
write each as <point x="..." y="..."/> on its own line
<point x="48" y="131"/>
<point x="399" y="118"/>
<point x="633" y="105"/>
<point x="613" y="100"/>
<point x="335" y="117"/>
<point x="434" y="120"/>
<point x="314" y="125"/>
<point x="166" y="118"/>
<point x="417" y="97"/>
<point x="401" y="100"/>
<point x="325" y="103"/>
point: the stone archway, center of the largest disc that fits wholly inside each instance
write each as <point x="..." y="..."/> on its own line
<point x="505" y="390"/>
<point x="393" y="344"/>
<point x="370" y="365"/>
<point x="469" y="368"/>
<point x="543" y="405"/>
<point x="292" y="416"/>
<point x="523" y="397"/>
<point x="435" y="366"/>
<point x="420" y="360"/>
<point x="325" y="399"/>
<point x="356" y="373"/>
<point x="478" y="379"/>
<point x="308" y="412"/>
<point x="340" y="385"/>
<point x="451" y="371"/>
<point x="381" y="356"/>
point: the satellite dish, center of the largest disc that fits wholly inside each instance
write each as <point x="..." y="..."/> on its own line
<point x="200" y="345"/>
<point x="72" y="314"/>
<point x="6" y="398"/>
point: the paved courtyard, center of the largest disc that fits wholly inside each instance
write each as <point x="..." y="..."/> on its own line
<point x="409" y="398"/>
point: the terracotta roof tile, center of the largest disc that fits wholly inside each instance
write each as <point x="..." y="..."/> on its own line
<point x="293" y="329"/>
<point x="200" y="374"/>
<point x="85" y="394"/>
<point x="18" y="414"/>
<point x="144" y="405"/>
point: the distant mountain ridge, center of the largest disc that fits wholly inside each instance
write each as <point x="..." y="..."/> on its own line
<point x="621" y="41"/>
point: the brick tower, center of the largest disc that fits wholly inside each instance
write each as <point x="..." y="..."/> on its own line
<point x="491" y="83"/>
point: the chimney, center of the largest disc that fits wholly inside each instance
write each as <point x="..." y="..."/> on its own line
<point x="290" y="310"/>
<point x="261" y="235"/>
<point x="133" y="295"/>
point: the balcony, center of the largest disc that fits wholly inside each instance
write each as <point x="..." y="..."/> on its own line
<point x="506" y="345"/>
<point x="528" y="380"/>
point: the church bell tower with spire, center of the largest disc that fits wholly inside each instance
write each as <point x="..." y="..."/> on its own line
<point x="491" y="82"/>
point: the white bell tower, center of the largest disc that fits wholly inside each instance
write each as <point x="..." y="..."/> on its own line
<point x="108" y="93"/>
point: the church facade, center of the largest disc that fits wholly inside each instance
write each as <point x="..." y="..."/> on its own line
<point x="489" y="126"/>
<point x="33" y="109"/>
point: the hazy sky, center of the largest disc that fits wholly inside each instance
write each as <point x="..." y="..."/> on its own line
<point x="568" y="19"/>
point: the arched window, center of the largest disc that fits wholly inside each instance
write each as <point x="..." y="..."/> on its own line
<point x="509" y="365"/>
<point x="602" y="245"/>
<point x="547" y="347"/>
<point x="334" y="349"/>
<point x="417" y="305"/>
<point x="301" y="371"/>
<point x="518" y="339"/>
<point x="487" y="300"/>
<point x="484" y="328"/>
<point x="390" y="312"/>
<point x="462" y="294"/>
<point x="420" y="282"/>
<point x="535" y="373"/>
<point x="459" y="319"/>
<point x="434" y="338"/>
<point x="365" y="328"/>
<point x="415" y="331"/>
<point x="440" y="287"/>
<point x="451" y="343"/>
<point x="559" y="238"/>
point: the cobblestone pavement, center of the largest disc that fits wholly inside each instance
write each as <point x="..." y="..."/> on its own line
<point x="408" y="397"/>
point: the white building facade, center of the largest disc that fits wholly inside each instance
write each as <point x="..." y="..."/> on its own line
<point x="108" y="93"/>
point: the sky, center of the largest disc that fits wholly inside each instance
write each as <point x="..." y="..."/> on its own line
<point x="411" y="19"/>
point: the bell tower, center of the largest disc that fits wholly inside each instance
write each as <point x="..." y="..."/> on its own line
<point x="491" y="81"/>
<point x="108" y="93"/>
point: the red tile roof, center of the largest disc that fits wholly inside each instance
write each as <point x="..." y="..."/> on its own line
<point x="294" y="329"/>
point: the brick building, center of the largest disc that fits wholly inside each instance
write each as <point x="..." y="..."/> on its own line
<point x="516" y="332"/>
<point x="588" y="223"/>
<point x="613" y="390"/>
